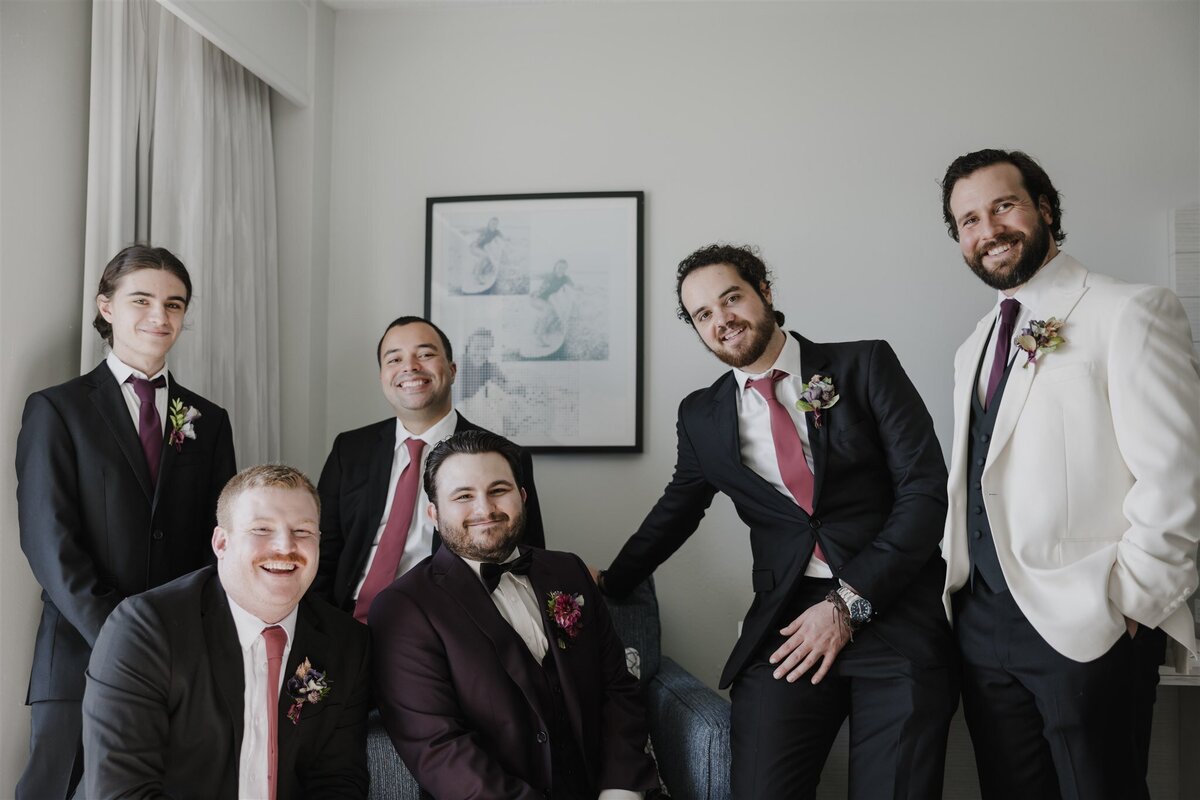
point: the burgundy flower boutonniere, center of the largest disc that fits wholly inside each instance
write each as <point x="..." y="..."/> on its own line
<point x="1040" y="337"/>
<point x="181" y="418"/>
<point x="306" y="686"/>
<point x="817" y="394"/>
<point x="566" y="611"/>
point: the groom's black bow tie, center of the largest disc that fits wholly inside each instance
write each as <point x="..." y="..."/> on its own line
<point x="491" y="572"/>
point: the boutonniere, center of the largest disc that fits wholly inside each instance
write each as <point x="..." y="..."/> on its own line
<point x="817" y="394"/>
<point x="1040" y="337"/>
<point x="306" y="686"/>
<point x="567" y="612"/>
<point x="181" y="418"/>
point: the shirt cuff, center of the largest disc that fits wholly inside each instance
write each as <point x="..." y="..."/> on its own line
<point x="620" y="794"/>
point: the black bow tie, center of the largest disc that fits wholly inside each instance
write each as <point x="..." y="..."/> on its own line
<point x="491" y="572"/>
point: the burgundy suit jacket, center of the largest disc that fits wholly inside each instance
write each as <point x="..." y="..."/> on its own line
<point x="456" y="688"/>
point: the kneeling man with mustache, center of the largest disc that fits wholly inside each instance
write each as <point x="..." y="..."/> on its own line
<point x="497" y="669"/>
<point x="227" y="682"/>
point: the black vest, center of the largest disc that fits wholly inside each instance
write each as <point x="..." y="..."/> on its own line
<point x="980" y="544"/>
<point x="568" y="770"/>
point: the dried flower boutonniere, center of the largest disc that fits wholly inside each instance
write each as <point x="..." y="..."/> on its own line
<point x="181" y="418"/>
<point x="1040" y="337"/>
<point x="817" y="394"/>
<point x="567" y="612"/>
<point x="306" y="686"/>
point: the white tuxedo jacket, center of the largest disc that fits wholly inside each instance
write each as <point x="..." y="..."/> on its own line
<point x="1092" y="480"/>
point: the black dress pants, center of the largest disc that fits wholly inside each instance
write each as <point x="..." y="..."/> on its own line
<point x="899" y="714"/>
<point x="1044" y="726"/>
<point x="55" y="763"/>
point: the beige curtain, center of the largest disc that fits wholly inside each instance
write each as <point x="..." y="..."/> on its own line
<point x="180" y="156"/>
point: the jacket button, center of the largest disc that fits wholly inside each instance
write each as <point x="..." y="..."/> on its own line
<point x="542" y="737"/>
<point x="985" y="437"/>
<point x="814" y="524"/>
<point x="979" y="462"/>
<point x="977" y="534"/>
<point x="977" y="510"/>
<point x="157" y="535"/>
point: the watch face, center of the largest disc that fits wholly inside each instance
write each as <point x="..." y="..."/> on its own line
<point x="860" y="610"/>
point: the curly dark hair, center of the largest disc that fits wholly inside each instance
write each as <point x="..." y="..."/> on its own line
<point x="1034" y="178"/>
<point x="743" y="258"/>
<point x="132" y="259"/>
<point x="470" y="442"/>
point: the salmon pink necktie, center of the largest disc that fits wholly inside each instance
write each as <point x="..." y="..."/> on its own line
<point x="789" y="450"/>
<point x="275" y="637"/>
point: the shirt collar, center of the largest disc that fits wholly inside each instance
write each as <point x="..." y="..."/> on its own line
<point x="1034" y="293"/>
<point x="442" y="429"/>
<point x="250" y="627"/>
<point x="121" y="371"/>
<point x="788" y="361"/>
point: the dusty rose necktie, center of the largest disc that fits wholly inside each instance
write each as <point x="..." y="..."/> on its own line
<point x="150" y="429"/>
<point x="275" y="638"/>
<point x="1004" y="336"/>
<point x="789" y="450"/>
<point x="395" y="532"/>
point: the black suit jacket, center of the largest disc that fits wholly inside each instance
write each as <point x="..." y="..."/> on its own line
<point x="456" y="685"/>
<point x="92" y="527"/>
<point x="163" y="711"/>
<point x="879" y="502"/>
<point x="354" y="490"/>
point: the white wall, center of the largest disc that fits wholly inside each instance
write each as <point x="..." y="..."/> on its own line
<point x="817" y="131"/>
<point x="44" y="66"/>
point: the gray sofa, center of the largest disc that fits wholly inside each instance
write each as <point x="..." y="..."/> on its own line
<point x="689" y="723"/>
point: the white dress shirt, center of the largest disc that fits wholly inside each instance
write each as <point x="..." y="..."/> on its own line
<point x="121" y="371"/>
<point x="420" y="529"/>
<point x="252" y="765"/>
<point x="516" y="602"/>
<point x="754" y="427"/>
<point x="1029" y="295"/>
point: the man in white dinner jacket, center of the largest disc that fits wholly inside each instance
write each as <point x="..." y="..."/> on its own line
<point x="1074" y="496"/>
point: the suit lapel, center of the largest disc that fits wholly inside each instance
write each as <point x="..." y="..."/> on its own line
<point x="377" y="480"/>
<point x="464" y="588"/>
<point x="544" y="582"/>
<point x="1020" y="377"/>
<point x="169" y="453"/>
<point x="110" y="403"/>
<point x="225" y="656"/>
<point x="815" y="359"/>
<point x="310" y="642"/>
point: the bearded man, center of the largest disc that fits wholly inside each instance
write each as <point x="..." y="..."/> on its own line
<point x="829" y="455"/>
<point x="497" y="669"/>
<point x="1074" y="496"/>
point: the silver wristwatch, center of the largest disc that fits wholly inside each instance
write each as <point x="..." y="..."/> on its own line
<point x="859" y="607"/>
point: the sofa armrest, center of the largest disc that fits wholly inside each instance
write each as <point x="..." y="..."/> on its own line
<point x="689" y="725"/>
<point x="390" y="779"/>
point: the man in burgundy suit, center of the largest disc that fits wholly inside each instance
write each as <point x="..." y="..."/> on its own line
<point x="497" y="671"/>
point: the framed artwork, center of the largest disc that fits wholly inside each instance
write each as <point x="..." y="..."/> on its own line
<point x="541" y="297"/>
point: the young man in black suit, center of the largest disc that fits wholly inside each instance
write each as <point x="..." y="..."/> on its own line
<point x="830" y="457"/>
<point x="497" y="670"/>
<point x="118" y="473"/>
<point x="228" y="682"/>
<point x="373" y="522"/>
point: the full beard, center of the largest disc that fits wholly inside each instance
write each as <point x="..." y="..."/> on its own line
<point x="500" y="547"/>
<point x="756" y="344"/>
<point x="1033" y="254"/>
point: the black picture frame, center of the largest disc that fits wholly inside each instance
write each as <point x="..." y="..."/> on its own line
<point x="541" y="298"/>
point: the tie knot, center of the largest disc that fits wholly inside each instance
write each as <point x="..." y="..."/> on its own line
<point x="491" y="572"/>
<point x="415" y="448"/>
<point x="144" y="389"/>
<point x="1009" y="310"/>
<point x="766" y="384"/>
<point x="275" y="638"/>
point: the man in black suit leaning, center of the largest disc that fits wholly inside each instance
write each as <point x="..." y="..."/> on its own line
<point x="497" y="669"/>
<point x="373" y="523"/>
<point x="829" y="455"/>
<point x="228" y="682"/>
<point x="118" y="473"/>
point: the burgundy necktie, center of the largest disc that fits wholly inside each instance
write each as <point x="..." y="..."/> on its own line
<point x="150" y="429"/>
<point x="275" y="637"/>
<point x="789" y="450"/>
<point x="1004" y="336"/>
<point x="395" y="532"/>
